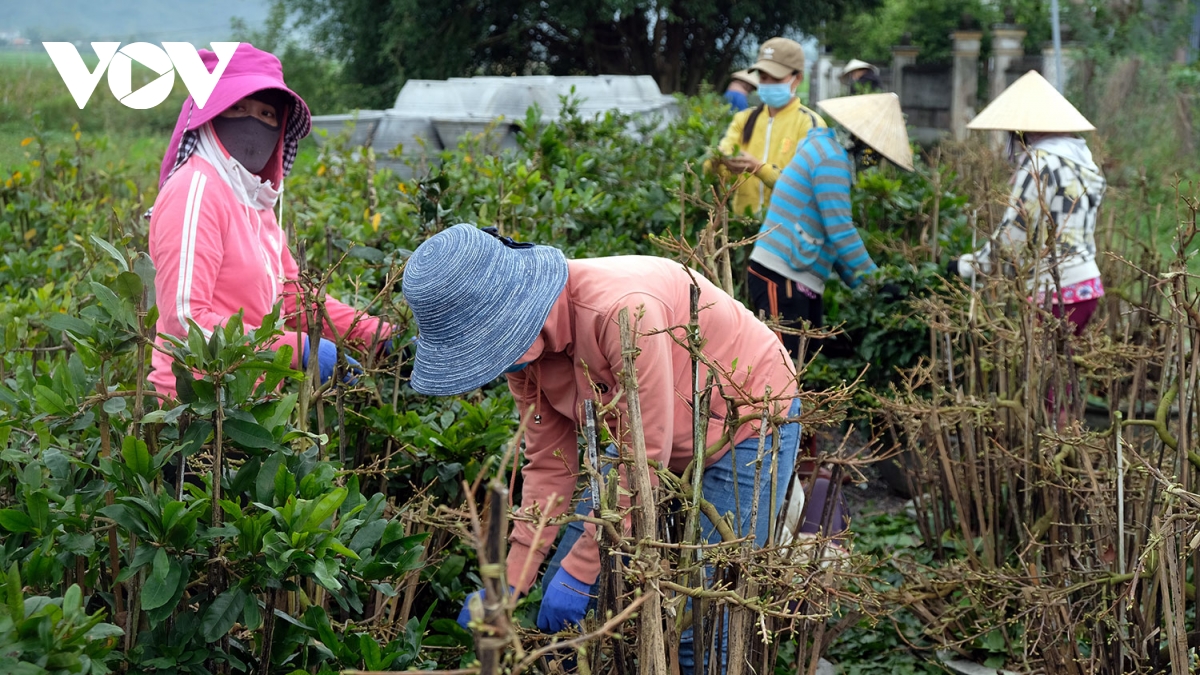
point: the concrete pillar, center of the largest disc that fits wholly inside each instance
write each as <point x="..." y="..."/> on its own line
<point x="1007" y="46"/>
<point x="813" y="80"/>
<point x="902" y="56"/>
<point x="835" y="79"/>
<point x="818" y="86"/>
<point x="1070" y="53"/>
<point x="965" y="80"/>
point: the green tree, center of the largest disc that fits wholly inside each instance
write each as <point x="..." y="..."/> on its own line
<point x="870" y="35"/>
<point x="310" y="73"/>
<point x="682" y="43"/>
<point x="1104" y="29"/>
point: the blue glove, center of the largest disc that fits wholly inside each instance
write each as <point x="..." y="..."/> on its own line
<point x="406" y="347"/>
<point x="327" y="359"/>
<point x="464" y="615"/>
<point x="564" y="602"/>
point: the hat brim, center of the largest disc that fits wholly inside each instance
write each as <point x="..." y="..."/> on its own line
<point x="775" y="70"/>
<point x="857" y="65"/>
<point x="236" y="87"/>
<point x="748" y="76"/>
<point x="500" y="334"/>
<point x="877" y="120"/>
<point x="1031" y="104"/>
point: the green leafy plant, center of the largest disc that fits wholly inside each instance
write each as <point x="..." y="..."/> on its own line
<point x="40" y="635"/>
<point x="884" y="645"/>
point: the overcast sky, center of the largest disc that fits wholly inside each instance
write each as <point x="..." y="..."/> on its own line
<point x="197" y="21"/>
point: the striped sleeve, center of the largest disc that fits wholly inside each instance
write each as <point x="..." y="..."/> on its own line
<point x="831" y="187"/>
<point x="791" y="195"/>
<point x="186" y="246"/>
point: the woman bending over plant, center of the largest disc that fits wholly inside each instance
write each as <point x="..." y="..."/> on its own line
<point x="487" y="306"/>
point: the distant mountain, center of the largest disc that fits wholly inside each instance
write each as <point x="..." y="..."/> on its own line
<point x="199" y="22"/>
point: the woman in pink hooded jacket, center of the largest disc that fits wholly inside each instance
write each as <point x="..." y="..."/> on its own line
<point x="214" y="237"/>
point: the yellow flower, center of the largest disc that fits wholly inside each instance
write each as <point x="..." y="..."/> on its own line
<point x="366" y="214"/>
<point x="321" y="170"/>
<point x="468" y="159"/>
<point x="8" y="183"/>
<point x="77" y="135"/>
<point x="30" y="234"/>
<point x="402" y="188"/>
<point x="375" y="221"/>
<point x="36" y="163"/>
<point x="16" y="176"/>
<point x="26" y="141"/>
<point x="57" y="248"/>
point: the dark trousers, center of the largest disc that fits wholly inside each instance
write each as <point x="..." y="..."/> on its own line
<point x="783" y="301"/>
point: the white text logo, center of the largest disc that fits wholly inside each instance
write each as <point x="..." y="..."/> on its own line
<point x="118" y="61"/>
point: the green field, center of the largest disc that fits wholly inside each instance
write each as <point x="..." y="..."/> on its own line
<point x="35" y="102"/>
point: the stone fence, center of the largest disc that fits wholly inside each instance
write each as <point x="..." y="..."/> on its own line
<point x="939" y="99"/>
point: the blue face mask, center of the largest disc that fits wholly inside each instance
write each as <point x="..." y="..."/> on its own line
<point x="775" y="95"/>
<point x="517" y="367"/>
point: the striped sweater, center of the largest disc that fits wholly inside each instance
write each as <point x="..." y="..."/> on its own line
<point x="809" y="232"/>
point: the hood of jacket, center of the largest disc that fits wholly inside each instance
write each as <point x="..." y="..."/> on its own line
<point x="1068" y="147"/>
<point x="250" y="69"/>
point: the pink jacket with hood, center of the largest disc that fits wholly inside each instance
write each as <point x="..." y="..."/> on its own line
<point x="214" y="238"/>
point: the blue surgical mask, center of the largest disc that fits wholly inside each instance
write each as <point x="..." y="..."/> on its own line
<point x="775" y="95"/>
<point x="517" y="367"/>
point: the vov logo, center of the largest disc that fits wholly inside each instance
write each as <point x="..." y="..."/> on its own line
<point x="118" y="61"/>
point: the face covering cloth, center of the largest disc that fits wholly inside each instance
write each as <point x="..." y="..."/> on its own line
<point x="775" y="95"/>
<point x="248" y="188"/>
<point x="248" y="139"/>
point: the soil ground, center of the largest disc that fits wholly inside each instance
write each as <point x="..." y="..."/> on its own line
<point x="873" y="496"/>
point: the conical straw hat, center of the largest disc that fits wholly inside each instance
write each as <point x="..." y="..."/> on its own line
<point x="748" y="76"/>
<point x="877" y="120"/>
<point x="1031" y="104"/>
<point x="857" y="64"/>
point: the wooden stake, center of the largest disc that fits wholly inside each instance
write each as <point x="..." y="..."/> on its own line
<point x="652" y="651"/>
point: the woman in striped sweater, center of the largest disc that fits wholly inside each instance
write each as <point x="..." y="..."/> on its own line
<point x="809" y="232"/>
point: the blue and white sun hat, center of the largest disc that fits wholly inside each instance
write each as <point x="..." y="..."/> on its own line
<point x="480" y="301"/>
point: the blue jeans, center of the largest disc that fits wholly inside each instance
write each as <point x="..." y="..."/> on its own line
<point x="718" y="489"/>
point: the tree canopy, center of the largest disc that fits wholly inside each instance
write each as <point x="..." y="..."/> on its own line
<point x="681" y="43"/>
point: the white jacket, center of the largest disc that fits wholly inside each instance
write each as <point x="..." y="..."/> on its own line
<point x="1058" y="173"/>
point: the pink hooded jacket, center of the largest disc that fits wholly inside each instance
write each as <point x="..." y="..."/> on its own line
<point x="215" y="256"/>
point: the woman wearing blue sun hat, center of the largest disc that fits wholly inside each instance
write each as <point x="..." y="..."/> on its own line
<point x="487" y="306"/>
